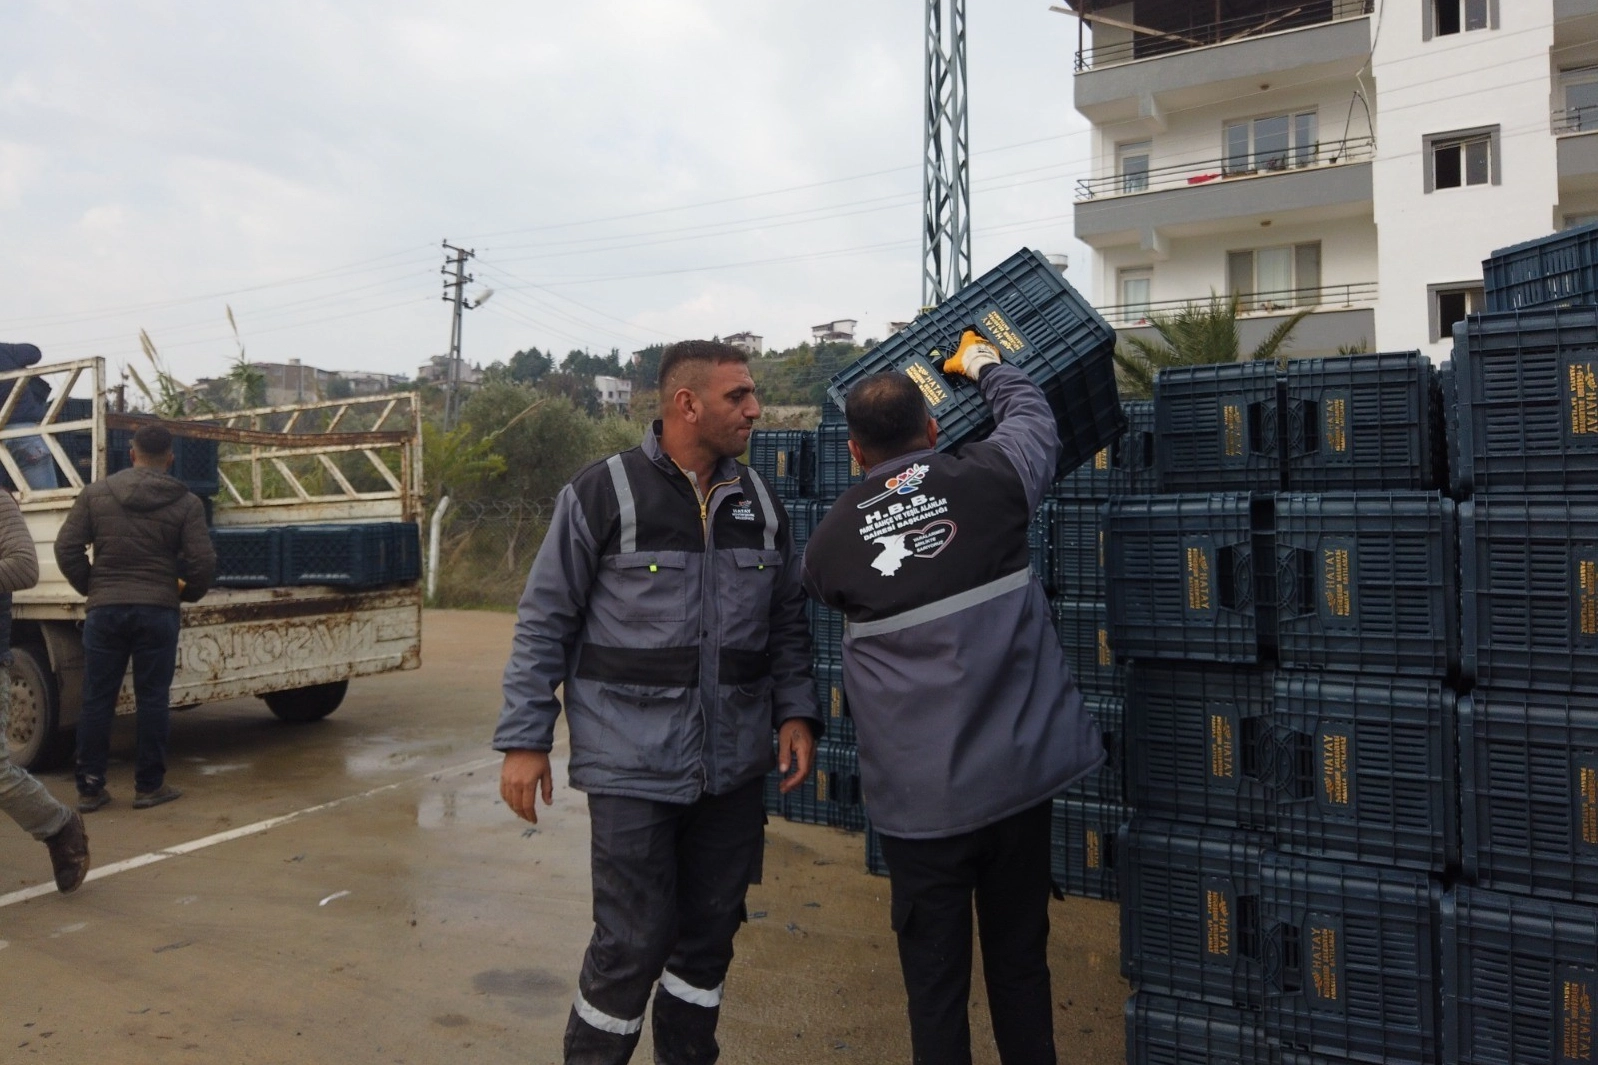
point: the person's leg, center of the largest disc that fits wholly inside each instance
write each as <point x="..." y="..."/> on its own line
<point x="931" y="881"/>
<point x="24" y="799"/>
<point x="635" y="923"/>
<point x="105" y="660"/>
<point x="34" y="459"/>
<point x="1013" y="890"/>
<point x="155" y="655"/>
<point x="718" y="856"/>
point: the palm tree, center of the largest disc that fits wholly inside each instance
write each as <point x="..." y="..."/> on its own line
<point x="1196" y="335"/>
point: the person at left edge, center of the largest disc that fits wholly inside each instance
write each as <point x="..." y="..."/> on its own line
<point x="31" y="452"/>
<point x="666" y="600"/>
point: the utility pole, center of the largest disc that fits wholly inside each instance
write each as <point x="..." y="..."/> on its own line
<point x="946" y="161"/>
<point x="455" y="281"/>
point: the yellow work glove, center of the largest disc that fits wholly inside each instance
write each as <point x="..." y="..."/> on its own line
<point x="973" y="356"/>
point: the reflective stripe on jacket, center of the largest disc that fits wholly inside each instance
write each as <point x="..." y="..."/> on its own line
<point x="676" y="626"/>
<point x="965" y="707"/>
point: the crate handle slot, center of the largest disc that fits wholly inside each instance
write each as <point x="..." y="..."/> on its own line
<point x="1291" y="772"/>
<point x="1296" y="577"/>
<point x="1279" y="949"/>
<point x="1234" y="577"/>
<point x="1262" y="428"/>
<point x="1304" y="426"/>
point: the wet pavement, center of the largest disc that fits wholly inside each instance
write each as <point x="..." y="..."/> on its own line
<point x="353" y="891"/>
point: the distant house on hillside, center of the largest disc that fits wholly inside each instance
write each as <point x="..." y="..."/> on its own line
<point x="840" y="330"/>
<point x="614" y="392"/>
<point x="436" y="371"/>
<point x="293" y="382"/>
<point x="749" y="342"/>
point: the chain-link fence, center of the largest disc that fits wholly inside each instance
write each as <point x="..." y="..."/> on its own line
<point x="486" y="549"/>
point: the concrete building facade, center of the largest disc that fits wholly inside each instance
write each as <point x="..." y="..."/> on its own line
<point x="1356" y="158"/>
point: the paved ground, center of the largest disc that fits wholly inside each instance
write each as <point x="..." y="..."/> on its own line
<point x="412" y="919"/>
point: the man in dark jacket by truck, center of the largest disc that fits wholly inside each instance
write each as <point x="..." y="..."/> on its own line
<point x="665" y="602"/>
<point x="31" y="452"/>
<point x="152" y="552"/>
<point x="969" y="720"/>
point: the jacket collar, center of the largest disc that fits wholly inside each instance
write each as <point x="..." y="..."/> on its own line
<point x="898" y="460"/>
<point x="726" y="469"/>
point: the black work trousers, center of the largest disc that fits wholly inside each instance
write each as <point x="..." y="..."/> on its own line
<point x="669" y="886"/>
<point x="1005" y="866"/>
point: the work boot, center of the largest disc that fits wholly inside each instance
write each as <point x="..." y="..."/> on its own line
<point x="90" y="801"/>
<point x="143" y="800"/>
<point x="69" y="855"/>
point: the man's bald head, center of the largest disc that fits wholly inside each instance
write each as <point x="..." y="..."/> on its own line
<point x="887" y="417"/>
<point x="687" y="364"/>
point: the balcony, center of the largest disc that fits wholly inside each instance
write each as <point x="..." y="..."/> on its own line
<point x="1340" y="315"/>
<point x="1148" y="57"/>
<point x="1320" y="181"/>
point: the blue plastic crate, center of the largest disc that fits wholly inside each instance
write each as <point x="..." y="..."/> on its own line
<point x="194" y="462"/>
<point x="826" y="632"/>
<point x="1367" y="581"/>
<point x="1528" y="763"/>
<point x="832" y="702"/>
<point x="1041" y="325"/>
<point x="1361" y="422"/>
<point x="357" y="556"/>
<point x="1188" y="577"/>
<point x="1351" y="964"/>
<point x="248" y="557"/>
<point x="785" y="458"/>
<point x="1559" y="270"/>
<point x="1084" y="632"/>
<point x="1190" y="912"/>
<point x="1527" y="402"/>
<point x="1171" y="1031"/>
<point x="1448" y="400"/>
<point x="405" y="557"/>
<point x="1039" y="540"/>
<point x="1218" y="428"/>
<point x="1519" y="978"/>
<point x="1529" y="576"/>
<point x="1083" y="837"/>
<point x="836" y="469"/>
<point x="1108" y="782"/>
<point x="1138" y="447"/>
<point x="831" y="794"/>
<point x="1077" y="552"/>
<point x="803" y="517"/>
<point x="1198" y="743"/>
<point x="1365" y="769"/>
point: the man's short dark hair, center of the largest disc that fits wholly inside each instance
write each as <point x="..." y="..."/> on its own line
<point x="683" y="354"/>
<point x="887" y="415"/>
<point x="152" y="441"/>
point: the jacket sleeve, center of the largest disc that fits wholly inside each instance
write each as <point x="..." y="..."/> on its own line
<point x="1027" y="433"/>
<point x="18" y="356"/>
<point x="19" y="562"/>
<point x="199" y="554"/>
<point x="72" y="544"/>
<point x="548" y="621"/>
<point x="793" y="680"/>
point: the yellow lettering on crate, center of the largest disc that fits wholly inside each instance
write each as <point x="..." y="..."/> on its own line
<point x="1588" y="800"/>
<point x="1105" y="657"/>
<point x="1337" y="425"/>
<point x="1334" y="768"/>
<point x="1094" y="846"/>
<point x="1323" y="963"/>
<point x="854" y="468"/>
<point x="1232" y="422"/>
<point x="782" y="464"/>
<point x="1198" y="579"/>
<point x="1101" y="459"/>
<point x="837" y="701"/>
<point x="1583" y="399"/>
<point x="1576" y="1021"/>
<point x="931" y="388"/>
<point x="1002" y="333"/>
<point x="1223" y="748"/>
<point x="1218" y="926"/>
<point x="1339" y="596"/>
<point x="821" y="785"/>
<point x="1587" y="581"/>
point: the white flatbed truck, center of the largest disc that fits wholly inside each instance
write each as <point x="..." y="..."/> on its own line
<point x="295" y="647"/>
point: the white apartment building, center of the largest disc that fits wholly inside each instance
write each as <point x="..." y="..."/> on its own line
<point x="614" y="391"/>
<point x="1359" y="158"/>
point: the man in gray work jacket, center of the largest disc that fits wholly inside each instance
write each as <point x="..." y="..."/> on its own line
<point x="969" y="720"/>
<point x="666" y="600"/>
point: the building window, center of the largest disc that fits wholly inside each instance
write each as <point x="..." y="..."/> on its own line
<point x="1580" y="91"/>
<point x="1444" y="18"/>
<point x="1271" y="143"/>
<point x="1136" y="292"/>
<point x="1132" y="165"/>
<point x="1450" y="304"/>
<point x="1268" y="279"/>
<point x="1462" y="158"/>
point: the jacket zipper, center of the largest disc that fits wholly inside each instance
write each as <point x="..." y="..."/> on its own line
<point x="704" y="528"/>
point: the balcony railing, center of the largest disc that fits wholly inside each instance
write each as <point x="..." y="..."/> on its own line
<point x="1147" y="41"/>
<point x="1576" y="120"/>
<point x="1283" y="301"/>
<point x="1185" y="175"/>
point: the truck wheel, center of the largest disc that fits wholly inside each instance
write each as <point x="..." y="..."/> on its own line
<point x="34" y="734"/>
<point x="300" y="705"/>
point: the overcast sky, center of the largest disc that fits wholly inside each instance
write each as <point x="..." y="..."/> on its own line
<point x="629" y="171"/>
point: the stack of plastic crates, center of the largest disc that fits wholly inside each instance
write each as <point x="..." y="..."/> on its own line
<point x="1285" y="609"/>
<point x="1520" y="932"/>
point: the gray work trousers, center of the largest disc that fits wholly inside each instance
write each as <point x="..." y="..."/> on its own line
<point x="669" y="886"/>
<point x="22" y="797"/>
